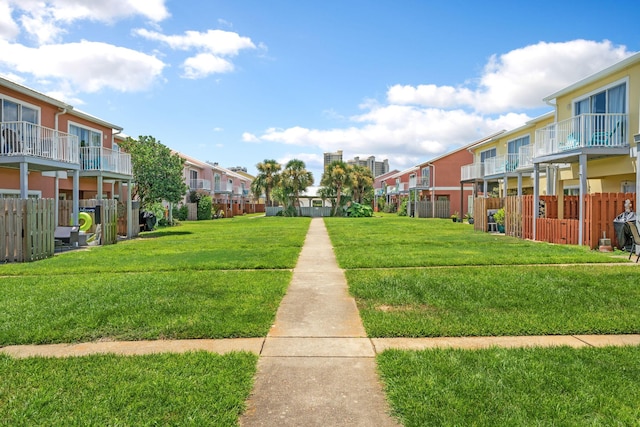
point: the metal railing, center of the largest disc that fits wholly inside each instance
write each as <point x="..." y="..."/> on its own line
<point x="583" y="131"/>
<point x="200" y="184"/>
<point x="472" y="171"/>
<point x="501" y="164"/>
<point x="422" y="182"/>
<point x="105" y="160"/>
<point x="28" y="139"/>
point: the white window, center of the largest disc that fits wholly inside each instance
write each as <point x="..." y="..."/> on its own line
<point x="86" y="136"/>
<point x="487" y="154"/>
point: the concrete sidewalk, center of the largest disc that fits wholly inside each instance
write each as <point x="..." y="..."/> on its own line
<point x="317" y="367"/>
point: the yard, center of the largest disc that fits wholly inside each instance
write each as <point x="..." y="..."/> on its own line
<point x="213" y="279"/>
<point x="411" y="277"/>
<point x="429" y="278"/>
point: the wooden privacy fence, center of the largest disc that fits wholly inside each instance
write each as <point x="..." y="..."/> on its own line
<point x="600" y="209"/>
<point x="123" y="225"/>
<point x="424" y="209"/>
<point x="104" y="212"/>
<point x="480" y="207"/>
<point x="26" y="229"/>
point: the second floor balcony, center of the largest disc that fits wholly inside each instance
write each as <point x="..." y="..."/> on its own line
<point x="472" y="172"/>
<point x="582" y="132"/>
<point x="35" y="141"/>
<point x="419" y="182"/>
<point x="105" y="160"/>
<point x="200" y="184"/>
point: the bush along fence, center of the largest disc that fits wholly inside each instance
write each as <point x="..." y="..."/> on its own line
<point x="558" y="218"/>
<point x="26" y="229"/>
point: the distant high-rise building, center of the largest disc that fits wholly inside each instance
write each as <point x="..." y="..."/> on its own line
<point x="376" y="168"/>
<point x="332" y="157"/>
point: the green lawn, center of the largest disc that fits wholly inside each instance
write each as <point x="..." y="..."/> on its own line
<point x="197" y="388"/>
<point x="514" y="387"/>
<point x="423" y="278"/>
<point x="243" y="243"/>
<point x="498" y="300"/>
<point x="412" y="242"/>
<point x="207" y="279"/>
<point x="167" y="284"/>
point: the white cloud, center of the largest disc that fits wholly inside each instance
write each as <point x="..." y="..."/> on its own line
<point x="87" y="66"/>
<point x="249" y="137"/>
<point x="518" y="79"/>
<point x="205" y="64"/>
<point x="213" y="45"/>
<point x="8" y="27"/>
<point x="423" y="121"/>
<point x="46" y="20"/>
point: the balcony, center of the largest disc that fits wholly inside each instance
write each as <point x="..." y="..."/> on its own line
<point x="102" y="159"/>
<point x="501" y="165"/>
<point x="199" y="184"/>
<point x="582" y="132"/>
<point x="422" y="182"/>
<point x="472" y="172"/>
<point x="397" y="189"/>
<point x="35" y="141"/>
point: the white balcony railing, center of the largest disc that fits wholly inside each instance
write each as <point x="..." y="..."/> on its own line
<point x="28" y="139"/>
<point x="501" y="164"/>
<point x="525" y="157"/>
<point x="105" y="160"/>
<point x="421" y="182"/>
<point x="472" y="171"/>
<point x="396" y="189"/>
<point x="583" y="131"/>
<point x="200" y="184"/>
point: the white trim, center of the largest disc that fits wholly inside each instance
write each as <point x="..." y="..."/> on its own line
<point x="71" y="123"/>
<point x="21" y="102"/>
<point x="604" y="88"/>
<point x="36" y="193"/>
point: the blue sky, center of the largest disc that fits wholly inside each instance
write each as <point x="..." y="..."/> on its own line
<point x="237" y="82"/>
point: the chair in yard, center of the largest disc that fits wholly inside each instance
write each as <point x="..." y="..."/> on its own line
<point x="635" y="236"/>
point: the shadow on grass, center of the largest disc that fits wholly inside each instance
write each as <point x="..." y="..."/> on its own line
<point x="163" y="233"/>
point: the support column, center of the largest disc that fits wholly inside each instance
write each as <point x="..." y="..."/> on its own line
<point x="536" y="195"/>
<point x="583" y="191"/>
<point x="24" y="180"/>
<point x="99" y="194"/>
<point x="76" y="197"/>
<point x="56" y="202"/>
<point x="129" y="211"/>
<point x="520" y="184"/>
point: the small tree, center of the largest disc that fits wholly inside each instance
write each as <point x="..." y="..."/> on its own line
<point x="157" y="172"/>
<point x="336" y="177"/>
<point x="267" y="179"/>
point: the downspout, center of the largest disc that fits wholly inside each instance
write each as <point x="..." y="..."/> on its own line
<point x="56" y="209"/>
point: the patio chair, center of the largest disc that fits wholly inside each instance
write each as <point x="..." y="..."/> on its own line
<point x="635" y="236"/>
<point x="604" y="138"/>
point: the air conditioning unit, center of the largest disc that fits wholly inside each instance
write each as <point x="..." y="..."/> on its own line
<point x="636" y="138"/>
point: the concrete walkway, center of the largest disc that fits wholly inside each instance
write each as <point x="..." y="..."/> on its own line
<point x="317" y="367"/>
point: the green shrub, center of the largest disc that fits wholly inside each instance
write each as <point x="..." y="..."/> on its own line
<point x="402" y="211"/>
<point x="358" y="210"/>
<point x="205" y="205"/>
<point x="181" y="213"/>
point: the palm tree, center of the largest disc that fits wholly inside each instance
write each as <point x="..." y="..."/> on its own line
<point x="295" y="179"/>
<point x="361" y="182"/>
<point x="336" y="177"/>
<point x="267" y="179"/>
